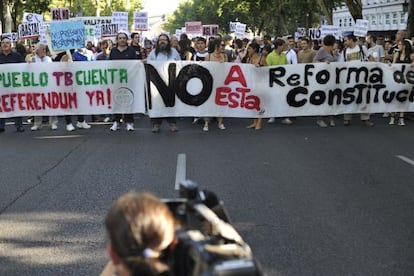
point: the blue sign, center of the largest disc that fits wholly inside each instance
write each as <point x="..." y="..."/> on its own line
<point x="66" y="35"/>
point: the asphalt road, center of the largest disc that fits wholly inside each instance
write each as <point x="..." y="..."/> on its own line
<point x="309" y="201"/>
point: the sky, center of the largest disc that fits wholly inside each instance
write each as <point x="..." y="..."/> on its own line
<point x="159" y="7"/>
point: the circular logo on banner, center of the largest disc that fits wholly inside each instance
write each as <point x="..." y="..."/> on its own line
<point x="124" y="97"/>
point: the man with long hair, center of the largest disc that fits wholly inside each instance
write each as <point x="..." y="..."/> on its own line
<point x="163" y="52"/>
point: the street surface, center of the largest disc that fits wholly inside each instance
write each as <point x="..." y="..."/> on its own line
<point x="308" y="200"/>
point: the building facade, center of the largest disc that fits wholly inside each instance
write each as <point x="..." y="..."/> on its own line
<point x="385" y="17"/>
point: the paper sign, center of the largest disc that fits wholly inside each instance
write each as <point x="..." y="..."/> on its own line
<point x="361" y="28"/>
<point x="141" y="21"/>
<point x="193" y="28"/>
<point x="120" y="18"/>
<point x="32" y="18"/>
<point x="60" y="14"/>
<point x="66" y="35"/>
<point x="29" y="30"/>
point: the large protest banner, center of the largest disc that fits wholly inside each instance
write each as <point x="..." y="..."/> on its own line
<point x="69" y="88"/>
<point x="188" y="89"/>
<point x="242" y="90"/>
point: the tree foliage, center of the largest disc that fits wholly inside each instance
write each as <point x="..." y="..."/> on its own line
<point x="87" y="8"/>
<point x="274" y="17"/>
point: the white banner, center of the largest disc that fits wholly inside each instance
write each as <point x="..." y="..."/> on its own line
<point x="242" y="90"/>
<point x="59" y="88"/>
<point x="203" y="89"/>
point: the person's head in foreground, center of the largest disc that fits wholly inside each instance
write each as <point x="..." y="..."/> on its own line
<point x="140" y="226"/>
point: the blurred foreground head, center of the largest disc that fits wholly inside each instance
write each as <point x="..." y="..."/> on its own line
<point x="139" y="226"/>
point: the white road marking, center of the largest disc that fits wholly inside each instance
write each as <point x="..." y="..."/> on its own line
<point x="181" y="171"/>
<point x="405" y="159"/>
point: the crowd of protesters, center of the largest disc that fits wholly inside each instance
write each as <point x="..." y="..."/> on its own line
<point x="259" y="51"/>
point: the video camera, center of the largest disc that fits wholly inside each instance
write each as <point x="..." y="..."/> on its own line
<point x="208" y="244"/>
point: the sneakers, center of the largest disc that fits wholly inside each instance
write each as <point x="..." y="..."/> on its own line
<point x="115" y="126"/>
<point x="70" y="127"/>
<point x="130" y="127"/>
<point x="271" y="121"/>
<point x="347" y="122"/>
<point x="173" y="127"/>
<point x="107" y="119"/>
<point x="392" y="120"/>
<point x="287" y="121"/>
<point x="53" y="127"/>
<point x="83" y="125"/>
<point x="401" y="121"/>
<point x="35" y="127"/>
<point x="195" y="120"/>
<point x="321" y="123"/>
<point x="221" y="126"/>
<point x="331" y="122"/>
<point x="155" y="128"/>
<point x="205" y="128"/>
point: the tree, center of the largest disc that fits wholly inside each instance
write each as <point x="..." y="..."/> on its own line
<point x="410" y="20"/>
<point x="355" y="8"/>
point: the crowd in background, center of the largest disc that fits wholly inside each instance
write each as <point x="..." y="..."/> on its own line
<point x="259" y="51"/>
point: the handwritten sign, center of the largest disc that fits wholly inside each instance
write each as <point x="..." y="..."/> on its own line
<point x="13" y="37"/>
<point x="120" y="18"/>
<point x="32" y="18"/>
<point x="315" y="33"/>
<point x="330" y="30"/>
<point x="210" y="30"/>
<point x="361" y="28"/>
<point x="66" y="35"/>
<point x="60" y="14"/>
<point x="29" y="30"/>
<point x="141" y="21"/>
<point x="109" y="30"/>
<point x="193" y="28"/>
<point x="240" y="30"/>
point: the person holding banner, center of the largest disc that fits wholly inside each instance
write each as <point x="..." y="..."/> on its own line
<point x="253" y="57"/>
<point x="216" y="53"/>
<point x="163" y="51"/>
<point x="9" y="56"/>
<point x="278" y="57"/>
<point x="403" y="55"/>
<point x="326" y="54"/>
<point x="122" y="51"/>
<point x="355" y="52"/>
<point x="40" y="56"/>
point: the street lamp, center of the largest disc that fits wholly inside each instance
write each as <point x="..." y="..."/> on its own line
<point x="405" y="6"/>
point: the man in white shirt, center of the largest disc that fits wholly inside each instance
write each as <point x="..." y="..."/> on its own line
<point x="375" y="52"/>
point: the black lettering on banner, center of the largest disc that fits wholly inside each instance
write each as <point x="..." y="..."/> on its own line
<point x="402" y="96"/>
<point x="166" y="92"/>
<point x="276" y="73"/>
<point x="322" y="77"/>
<point x="336" y="93"/>
<point x="388" y="96"/>
<point x="178" y="85"/>
<point x="349" y="96"/>
<point x="291" y="97"/>
<point x="186" y="74"/>
<point x="357" y="72"/>
<point x="399" y="75"/>
<point x="318" y="97"/>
